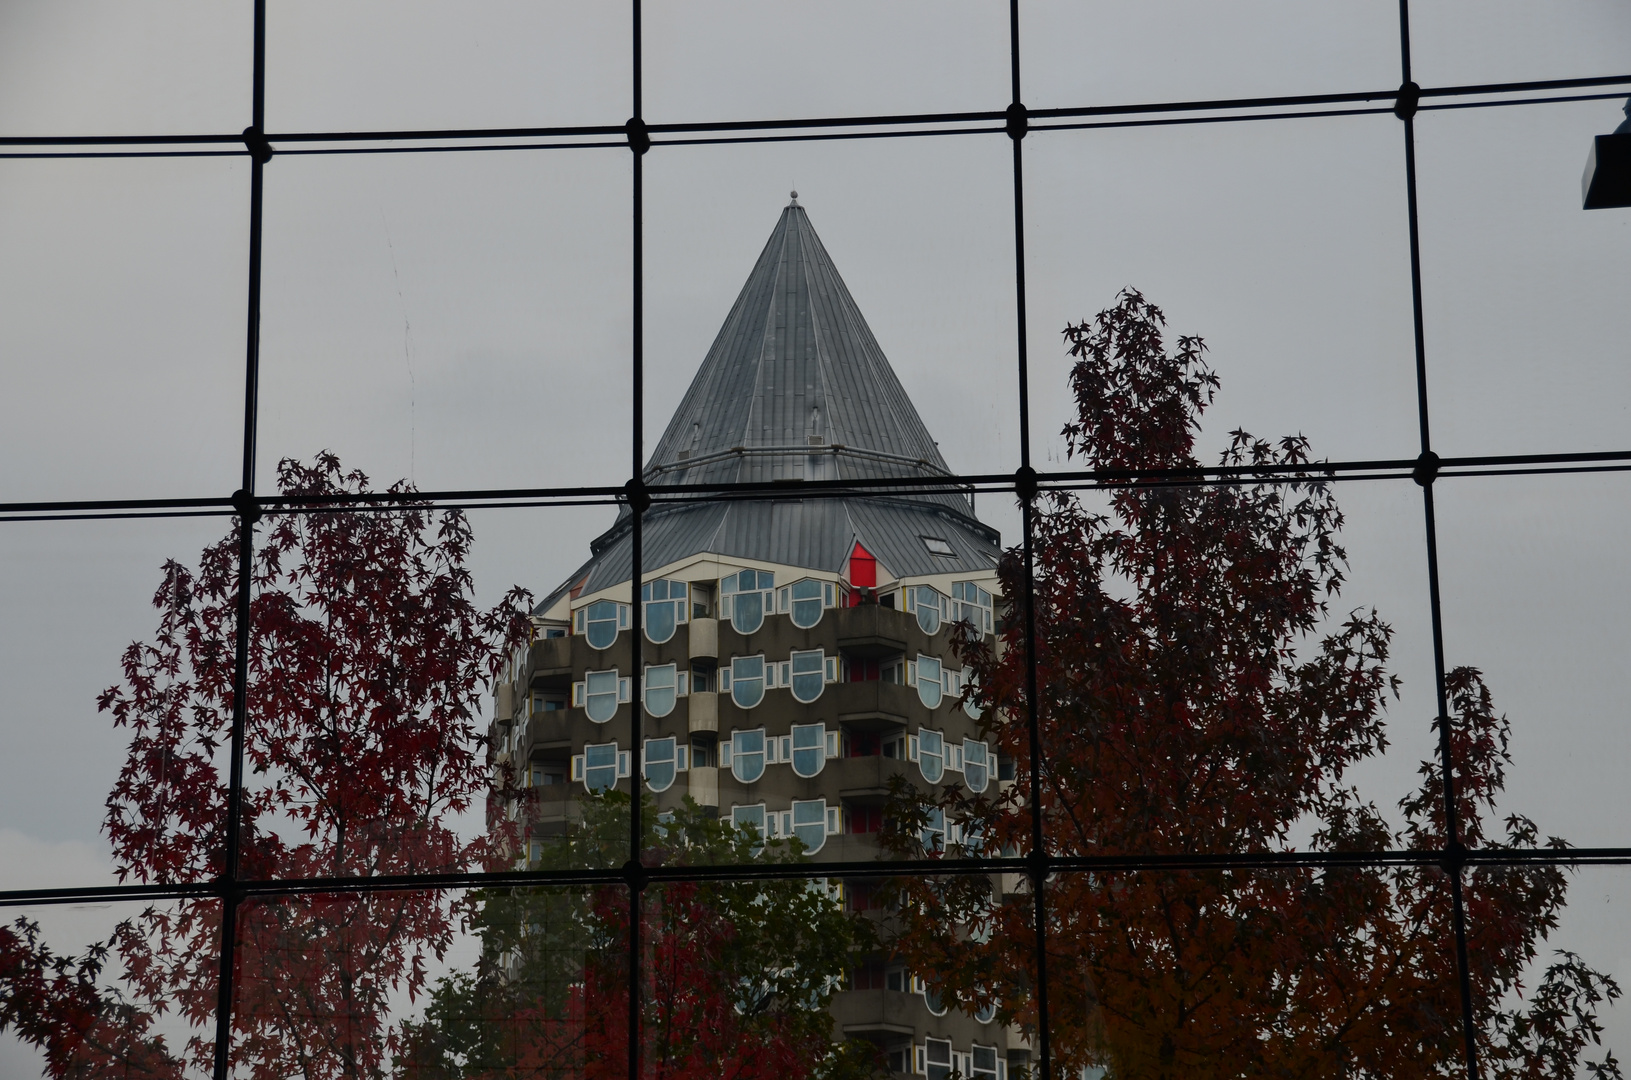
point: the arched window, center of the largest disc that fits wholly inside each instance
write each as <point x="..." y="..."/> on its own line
<point x="750" y="817"/>
<point x="745" y="597"/>
<point x="600" y="766"/>
<point x="934" y="830"/>
<point x="810" y="823"/>
<point x="976" y="765"/>
<point x="809" y="749"/>
<point x="971" y="604"/>
<point x="661" y="763"/>
<point x="930" y="685"/>
<point x="931" y="756"/>
<point x="929" y="604"/>
<point x="602" y="690"/>
<point x="970" y="706"/>
<point x="809" y="675"/>
<point x="807" y="599"/>
<point x="665" y="608"/>
<point x="747" y="680"/>
<point x="661" y="689"/>
<point x="748" y="756"/>
<point x="602" y="619"/>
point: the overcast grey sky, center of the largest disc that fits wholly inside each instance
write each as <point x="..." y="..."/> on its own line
<point x="463" y="318"/>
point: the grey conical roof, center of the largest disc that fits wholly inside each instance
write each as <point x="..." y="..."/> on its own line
<point x="795" y="387"/>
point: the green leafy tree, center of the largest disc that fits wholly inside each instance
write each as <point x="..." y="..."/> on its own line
<point x="737" y="974"/>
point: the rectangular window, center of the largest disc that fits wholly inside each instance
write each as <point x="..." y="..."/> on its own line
<point x="937" y="1058"/>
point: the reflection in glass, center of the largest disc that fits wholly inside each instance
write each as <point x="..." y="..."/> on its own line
<point x="661" y="689"/>
<point x="600" y="695"/>
<point x="930" y="684"/>
<point x="809" y="749"/>
<point x="601" y="619"/>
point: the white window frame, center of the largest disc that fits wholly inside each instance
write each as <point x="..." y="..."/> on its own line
<point x="737" y="817"/>
<point x="737" y="753"/>
<point x="764" y="585"/>
<point x="677" y="760"/>
<point x="823" y="738"/>
<point x="582" y="768"/>
<point x="826" y="596"/>
<point x="820" y="673"/>
<point x="681" y="606"/>
<point x="983" y="764"/>
<point x="933" y="1067"/>
<point x="620" y="621"/>
<point x="763" y="678"/>
<point x="581" y="694"/>
<point x="931" y="760"/>
<point x="673" y="687"/>
<point x="922" y="682"/>
<point x="817" y="828"/>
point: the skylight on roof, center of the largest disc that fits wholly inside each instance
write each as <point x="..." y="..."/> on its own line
<point x="937" y="546"/>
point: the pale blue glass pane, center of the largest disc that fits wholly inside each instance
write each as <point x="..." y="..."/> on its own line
<point x="928" y="680"/>
<point x="748" y="613"/>
<point x="660" y="621"/>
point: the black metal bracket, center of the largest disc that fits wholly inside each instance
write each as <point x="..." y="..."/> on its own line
<point x="248" y="507"/>
<point x="1426" y="470"/>
<point x="255" y="142"/>
<point x="1407" y="101"/>
<point x="638" y="134"/>
<point x="1018" y="121"/>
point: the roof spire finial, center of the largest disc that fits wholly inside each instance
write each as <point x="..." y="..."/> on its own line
<point x="794" y="195"/>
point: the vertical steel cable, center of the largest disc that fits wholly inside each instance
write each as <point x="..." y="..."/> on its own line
<point x="634" y="874"/>
<point x="248" y="511"/>
<point x="1025" y="487"/>
<point x="1426" y="472"/>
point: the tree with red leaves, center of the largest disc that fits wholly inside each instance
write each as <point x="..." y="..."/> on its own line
<point x="367" y="661"/>
<point x="1196" y="694"/>
<point x="736" y="974"/>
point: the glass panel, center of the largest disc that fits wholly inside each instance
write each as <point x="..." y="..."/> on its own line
<point x="748" y="755"/>
<point x="1306" y="313"/>
<point x="121" y="321"/>
<point x="809" y="749"/>
<point x="878" y="209"/>
<point x="1350" y="726"/>
<point x="1572" y="964"/>
<point x="1454" y="41"/>
<point x="421" y="310"/>
<point x="432" y="983"/>
<point x="375" y="65"/>
<point x="111" y="988"/>
<point x="1305" y="971"/>
<point x="764" y="961"/>
<point x="747" y="677"/>
<point x="1533" y="584"/>
<point x="1100" y="52"/>
<point x="1522" y="289"/>
<point x="809" y="675"/>
<point x="113" y="723"/>
<point x="96" y="69"/>
<point x="726" y="60"/>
